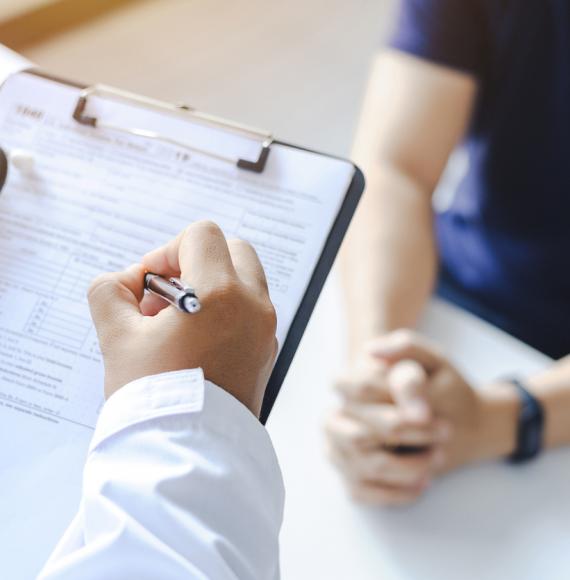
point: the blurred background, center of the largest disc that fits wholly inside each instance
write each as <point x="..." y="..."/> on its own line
<point x="297" y="68"/>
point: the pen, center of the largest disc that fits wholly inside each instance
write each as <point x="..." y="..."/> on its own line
<point x="173" y="291"/>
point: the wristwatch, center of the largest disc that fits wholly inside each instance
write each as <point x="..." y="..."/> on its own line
<point x="530" y="425"/>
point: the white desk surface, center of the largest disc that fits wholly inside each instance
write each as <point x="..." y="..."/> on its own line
<point x="488" y="522"/>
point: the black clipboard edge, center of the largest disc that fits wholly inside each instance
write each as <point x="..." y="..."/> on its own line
<point x="314" y="288"/>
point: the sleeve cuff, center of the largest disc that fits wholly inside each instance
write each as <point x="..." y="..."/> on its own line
<point x="179" y="393"/>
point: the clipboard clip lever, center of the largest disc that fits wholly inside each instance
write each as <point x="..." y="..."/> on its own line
<point x="264" y="138"/>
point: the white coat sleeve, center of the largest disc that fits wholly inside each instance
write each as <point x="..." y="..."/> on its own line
<point x="181" y="481"/>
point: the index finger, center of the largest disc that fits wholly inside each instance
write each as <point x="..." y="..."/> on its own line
<point x="391" y="428"/>
<point x="404" y="344"/>
<point x="197" y="255"/>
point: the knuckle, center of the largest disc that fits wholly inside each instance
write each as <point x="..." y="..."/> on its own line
<point x="103" y="281"/>
<point x="268" y="318"/>
<point x="208" y="227"/>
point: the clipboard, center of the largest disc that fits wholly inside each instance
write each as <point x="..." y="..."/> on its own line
<point x="255" y="164"/>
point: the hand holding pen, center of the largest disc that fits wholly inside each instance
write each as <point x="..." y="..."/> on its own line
<point x="233" y="337"/>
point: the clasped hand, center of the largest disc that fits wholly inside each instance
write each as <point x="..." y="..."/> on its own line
<point x="407" y="416"/>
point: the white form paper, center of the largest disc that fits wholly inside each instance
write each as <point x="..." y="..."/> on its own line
<point x="96" y="201"/>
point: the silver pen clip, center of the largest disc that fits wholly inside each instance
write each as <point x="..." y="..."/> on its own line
<point x="180" y="285"/>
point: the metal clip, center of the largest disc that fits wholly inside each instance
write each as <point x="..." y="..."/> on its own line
<point x="264" y="138"/>
<point x="180" y="285"/>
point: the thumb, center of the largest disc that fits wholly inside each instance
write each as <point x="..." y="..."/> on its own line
<point x="115" y="297"/>
<point x="408" y="383"/>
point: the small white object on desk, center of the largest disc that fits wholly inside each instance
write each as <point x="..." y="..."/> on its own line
<point x="22" y="160"/>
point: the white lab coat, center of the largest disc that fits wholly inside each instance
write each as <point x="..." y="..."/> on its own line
<point x="181" y="481"/>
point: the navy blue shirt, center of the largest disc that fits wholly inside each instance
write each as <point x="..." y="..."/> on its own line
<point x="505" y="242"/>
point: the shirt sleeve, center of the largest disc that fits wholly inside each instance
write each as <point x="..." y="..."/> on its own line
<point x="448" y="32"/>
<point x="181" y="481"/>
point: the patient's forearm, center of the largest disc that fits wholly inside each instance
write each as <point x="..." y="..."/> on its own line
<point x="414" y="114"/>
<point x="389" y="260"/>
<point x="502" y="402"/>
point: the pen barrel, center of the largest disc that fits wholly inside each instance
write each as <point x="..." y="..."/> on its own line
<point x="183" y="299"/>
<point x="159" y="286"/>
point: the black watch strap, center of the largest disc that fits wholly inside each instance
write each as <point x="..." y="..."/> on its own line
<point x="530" y="426"/>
